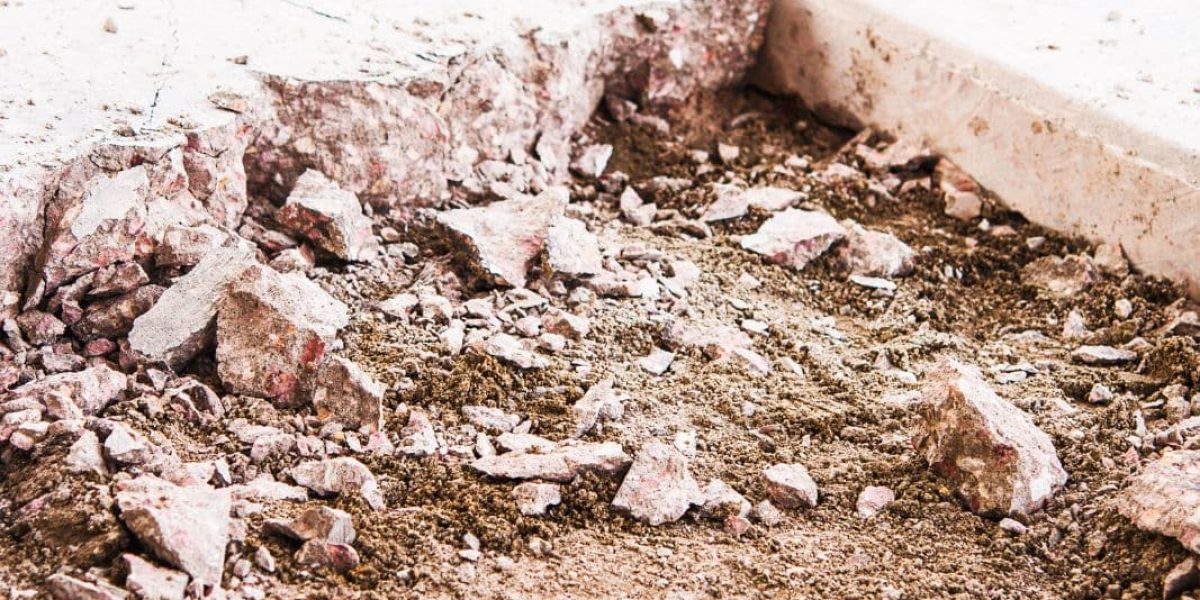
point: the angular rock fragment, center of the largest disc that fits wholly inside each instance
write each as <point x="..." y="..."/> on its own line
<point x="184" y="246"/>
<point x="657" y="362"/>
<point x="592" y="161"/>
<point x="767" y="514"/>
<point x="1061" y="277"/>
<point x="572" y="250"/>
<point x="114" y="317"/>
<point x="89" y="390"/>
<point x="1102" y="355"/>
<point x="963" y="200"/>
<point x="510" y="350"/>
<point x="560" y="465"/>
<point x="873" y="499"/>
<point x="116" y="279"/>
<point x="565" y="324"/>
<point x="1181" y="578"/>
<point x="198" y="401"/>
<point x="343" y="475"/>
<point x="598" y="405"/>
<point x="635" y="210"/>
<point x="65" y="587"/>
<point x="323" y="554"/>
<point x="1164" y="498"/>
<point x="126" y="447"/>
<point x="790" y="486"/>
<point x="722" y="501"/>
<point x="989" y="450"/>
<point x="658" y="487"/>
<point x="733" y="202"/>
<point x="534" y="499"/>
<point x="795" y="237"/>
<point x="187" y="527"/>
<point x="320" y="523"/>
<point x="181" y="323"/>
<point x="105" y="226"/>
<point x="272" y="331"/>
<point x="40" y="328"/>
<point x="874" y="253"/>
<point x="343" y="392"/>
<point x="152" y="582"/>
<point x="328" y="216"/>
<point x="490" y="418"/>
<point x="86" y="455"/>
<point x="418" y="437"/>
<point x="503" y="239"/>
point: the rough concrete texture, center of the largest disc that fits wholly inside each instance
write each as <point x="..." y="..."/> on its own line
<point x="996" y="457"/>
<point x="384" y="98"/>
<point x="1091" y="128"/>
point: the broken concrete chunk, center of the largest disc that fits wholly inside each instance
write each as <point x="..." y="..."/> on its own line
<point x="997" y="459"/>
<point x="343" y="392"/>
<point x="510" y="350"/>
<point x="598" y="405"/>
<point x="1061" y="277"/>
<point x="563" y="323"/>
<point x="634" y="210"/>
<point x="561" y="465"/>
<point x="874" y="499"/>
<point x="105" y="226"/>
<point x="330" y="217"/>
<point x="114" y="317"/>
<point x="490" y="418"/>
<point x="86" y="455"/>
<point x="592" y="161"/>
<point x="181" y="324"/>
<point x="90" y="390"/>
<point x="184" y="246"/>
<point x="1163" y="497"/>
<point x="502" y="240"/>
<point x="790" y="486"/>
<point x="767" y="514"/>
<point x="65" y="587"/>
<point x="657" y="362"/>
<point x="343" y="475"/>
<point x="795" y="237"/>
<point x="187" y="527"/>
<point x="722" y="501"/>
<point x="39" y="327"/>
<point x="272" y="331"/>
<point x="320" y="523"/>
<point x="658" y="487"/>
<point x="323" y="554"/>
<point x="126" y="447"/>
<point x="963" y="194"/>
<point x="418" y="437"/>
<point x="152" y="582"/>
<point x="534" y="499"/>
<point x="116" y="279"/>
<point x="733" y="202"/>
<point x="1102" y="355"/>
<point x="572" y="250"/>
<point x="874" y="253"/>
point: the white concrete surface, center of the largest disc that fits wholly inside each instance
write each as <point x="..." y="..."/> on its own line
<point x="391" y="99"/>
<point x="1084" y="115"/>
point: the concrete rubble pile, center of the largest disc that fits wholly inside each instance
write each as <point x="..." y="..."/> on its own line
<point x="200" y="330"/>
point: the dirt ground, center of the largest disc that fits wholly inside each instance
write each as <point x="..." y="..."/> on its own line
<point x="838" y="413"/>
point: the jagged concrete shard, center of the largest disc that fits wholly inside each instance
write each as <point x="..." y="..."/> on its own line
<point x="388" y="113"/>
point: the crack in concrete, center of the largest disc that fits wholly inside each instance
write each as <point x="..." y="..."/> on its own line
<point x="315" y="11"/>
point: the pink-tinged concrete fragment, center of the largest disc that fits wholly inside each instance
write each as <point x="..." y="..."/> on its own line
<point x="187" y="527"/>
<point x="999" y="462"/>
<point x="89" y="390"/>
<point x="501" y="240"/>
<point x="658" y="488"/>
<point x="272" y="332"/>
<point x="795" y="237"/>
<point x="1163" y="497"/>
<point x="329" y="217"/>
<point x="182" y="322"/>
<point x="343" y="392"/>
<point x="561" y="465"/>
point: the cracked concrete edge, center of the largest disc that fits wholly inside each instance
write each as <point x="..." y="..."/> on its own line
<point x="1027" y="126"/>
<point x="487" y="85"/>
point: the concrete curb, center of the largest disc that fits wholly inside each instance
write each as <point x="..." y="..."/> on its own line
<point x="1052" y="106"/>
